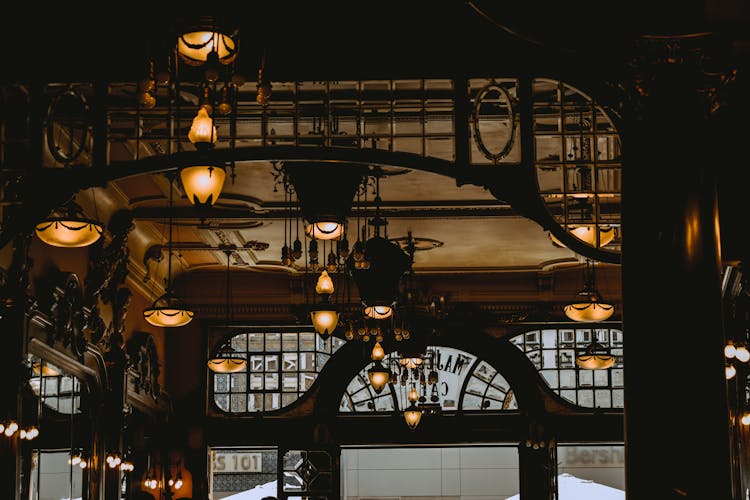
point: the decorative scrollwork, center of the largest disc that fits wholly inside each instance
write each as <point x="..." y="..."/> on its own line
<point x="67" y="314"/>
<point x="144" y="363"/>
<point x="68" y="111"/>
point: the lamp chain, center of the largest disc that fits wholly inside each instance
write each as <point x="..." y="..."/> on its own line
<point x="169" y="241"/>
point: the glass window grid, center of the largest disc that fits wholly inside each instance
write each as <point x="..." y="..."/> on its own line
<point x="491" y="394"/>
<point x="60" y="393"/>
<point x="558" y="156"/>
<point x="552" y="352"/>
<point x="282" y="365"/>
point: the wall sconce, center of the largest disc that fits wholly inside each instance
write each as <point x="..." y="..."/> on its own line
<point x="71" y="229"/>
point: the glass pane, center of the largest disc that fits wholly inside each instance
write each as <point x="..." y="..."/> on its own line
<point x="551" y="377"/>
<point x="255" y="342"/>
<point x="549" y="358"/>
<point x="306" y="341"/>
<point x="617" y="377"/>
<point x="287" y="399"/>
<point x="484" y="371"/>
<point x="601" y="378"/>
<point x="476" y="386"/>
<point x="289" y="341"/>
<point x="586" y="398"/>
<point x="494" y="393"/>
<point x="603" y="398"/>
<point x="549" y="339"/>
<point x="238" y="382"/>
<point x="618" y="398"/>
<point x="290" y="382"/>
<point x="273" y="401"/>
<point x="305" y="381"/>
<point x="336" y="343"/>
<point x="322" y="344"/>
<point x="322" y="359"/>
<point x="256" y="382"/>
<point x="273" y="342"/>
<point x="239" y="343"/>
<point x="290" y="362"/>
<point x="585" y="378"/>
<point x="567" y="378"/>
<point x="292" y="481"/>
<point x="255" y="402"/>
<point x="384" y="403"/>
<point x="272" y="381"/>
<point x="272" y="363"/>
<point x="221" y="382"/>
<point x="307" y="361"/>
<point x="238" y="402"/>
<point x="472" y="402"/>
<point x="222" y="401"/>
<point x="256" y="363"/>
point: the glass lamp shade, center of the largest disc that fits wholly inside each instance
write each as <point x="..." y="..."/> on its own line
<point x="195" y="46"/>
<point x="203" y="184"/>
<point x="729" y="350"/>
<point x="595" y="357"/>
<point x="377" y="352"/>
<point x="378" y="312"/>
<point x="413" y="395"/>
<point x="168" y="312"/>
<point x="227" y="361"/>
<point x="324" y="320"/>
<point x="69" y="232"/>
<point x="587" y="234"/>
<point x="379" y="376"/>
<point x="202" y="131"/>
<point x="413" y="416"/>
<point x="324" y="285"/>
<point x="742" y="354"/>
<point x="730" y="371"/>
<point x="325" y="230"/>
<point x="590" y="310"/>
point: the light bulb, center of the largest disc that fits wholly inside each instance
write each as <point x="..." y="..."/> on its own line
<point x="742" y="354"/>
<point x="730" y="371"/>
<point x="745" y="418"/>
<point x="75" y="460"/>
<point x="178" y="484"/>
<point x="13" y="426"/>
<point x="22" y="434"/>
<point x="170" y="482"/>
<point x="2" y="427"/>
<point x="413" y="394"/>
<point x="83" y="464"/>
<point x="729" y="350"/>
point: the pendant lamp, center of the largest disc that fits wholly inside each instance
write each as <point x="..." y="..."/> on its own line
<point x="595" y="357"/>
<point x="168" y="310"/>
<point x="206" y="42"/>
<point x="227" y="360"/>
<point x="379" y="376"/>
<point x="203" y="183"/>
<point x="70" y="229"/>
<point x="588" y="306"/>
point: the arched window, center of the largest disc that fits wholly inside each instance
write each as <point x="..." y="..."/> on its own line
<point x="553" y="353"/>
<point x="282" y="364"/>
<point x="462" y="382"/>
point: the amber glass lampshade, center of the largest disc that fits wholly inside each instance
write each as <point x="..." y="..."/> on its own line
<point x="324" y="319"/>
<point x="203" y="184"/>
<point x="379" y="376"/>
<point x="71" y="229"/>
<point x="589" y="309"/>
<point x="595" y="357"/>
<point x="325" y="230"/>
<point x="202" y="131"/>
<point x="378" y="312"/>
<point x="324" y="285"/>
<point x="587" y="234"/>
<point x="227" y="361"/>
<point x="168" y="311"/>
<point x="413" y="416"/>
<point x="195" y="44"/>
<point x="377" y="352"/>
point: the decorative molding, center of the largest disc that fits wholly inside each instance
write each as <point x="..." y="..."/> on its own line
<point x="143" y="364"/>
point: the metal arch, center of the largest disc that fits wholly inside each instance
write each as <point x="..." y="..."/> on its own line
<point x="53" y="147"/>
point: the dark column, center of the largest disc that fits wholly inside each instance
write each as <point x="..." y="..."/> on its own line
<point x="12" y="313"/>
<point x="537" y="469"/>
<point x="676" y="418"/>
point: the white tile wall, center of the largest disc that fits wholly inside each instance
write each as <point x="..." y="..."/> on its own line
<point x="468" y="473"/>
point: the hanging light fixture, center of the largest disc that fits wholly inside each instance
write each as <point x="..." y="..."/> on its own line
<point x="323" y="314"/>
<point x="588" y="306"/>
<point x="168" y="310"/>
<point x="595" y="357"/>
<point x="227" y="360"/>
<point x="203" y="183"/>
<point x="205" y="42"/>
<point x="587" y="234"/>
<point x="379" y="376"/>
<point x="70" y="229"/>
<point x="412" y="416"/>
